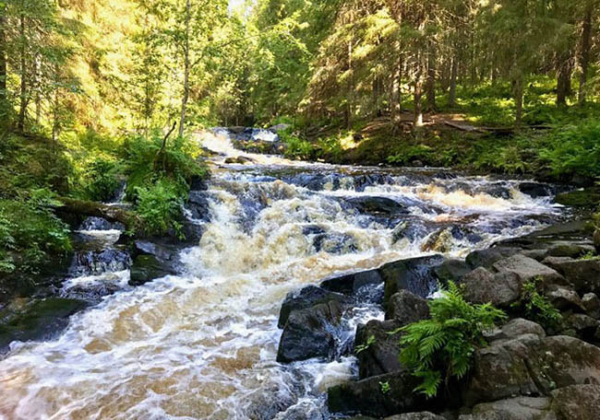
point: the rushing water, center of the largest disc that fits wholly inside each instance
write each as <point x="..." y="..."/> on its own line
<point x="202" y="345"/>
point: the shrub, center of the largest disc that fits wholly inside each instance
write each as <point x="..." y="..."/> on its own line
<point x="159" y="207"/>
<point x="536" y="307"/>
<point x="410" y="154"/>
<point x="297" y="148"/>
<point x="102" y="180"/>
<point x="440" y="348"/>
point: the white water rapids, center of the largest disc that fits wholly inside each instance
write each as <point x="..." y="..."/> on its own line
<point x="202" y="345"/>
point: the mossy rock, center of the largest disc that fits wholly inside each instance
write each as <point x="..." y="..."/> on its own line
<point x="147" y="268"/>
<point x="41" y="320"/>
<point x="586" y="198"/>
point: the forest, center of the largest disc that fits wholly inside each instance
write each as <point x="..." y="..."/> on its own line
<point x="103" y="105"/>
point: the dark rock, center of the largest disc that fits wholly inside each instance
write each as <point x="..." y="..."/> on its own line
<point x="529" y="365"/>
<point x="577" y="402"/>
<point x="451" y="270"/>
<point x="349" y="284"/>
<point x="405" y="308"/>
<point x="146" y="268"/>
<point x="571" y="250"/>
<point x="367" y="397"/>
<point x="519" y="408"/>
<point x="423" y="415"/>
<point x="98" y="223"/>
<point x="587" y="198"/>
<point x="377" y="349"/>
<point x="305" y="298"/>
<point x="487" y="257"/>
<point x="377" y="205"/>
<point x="535" y="189"/>
<point x="43" y="320"/>
<point x="565" y="299"/>
<point x="413" y="274"/>
<point x="198" y="205"/>
<point x="584" y="275"/>
<point x="584" y="325"/>
<point x="591" y="304"/>
<point x="500" y="289"/>
<point x="308" y="333"/>
<point x="516" y="328"/>
<point x="99" y="261"/>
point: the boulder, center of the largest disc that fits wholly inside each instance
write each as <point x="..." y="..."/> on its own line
<point x="500" y="289"/>
<point x="531" y="366"/>
<point x="310" y="333"/>
<point x="413" y="274"/>
<point x="487" y="257"/>
<point x="580" y="402"/>
<point x="529" y="269"/>
<point x="305" y="298"/>
<point x="519" y="408"/>
<point x="94" y="262"/>
<point x="146" y="268"/>
<point x="349" y="284"/>
<point x="405" y="307"/>
<point x="535" y="189"/>
<point x="591" y="304"/>
<point x="565" y="299"/>
<point x="584" y="275"/>
<point x="516" y="328"/>
<point x="377" y="205"/>
<point x="584" y="325"/>
<point x="451" y="270"/>
<point x="43" y="319"/>
<point x="570" y="249"/>
<point x="369" y="398"/>
<point x="377" y="349"/>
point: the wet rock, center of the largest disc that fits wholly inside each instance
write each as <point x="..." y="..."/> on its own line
<point x="529" y="365"/>
<point x="500" y="289"/>
<point x="587" y="198"/>
<point x="146" y="268"/>
<point x="98" y="223"/>
<point x="487" y="257"/>
<point x="528" y="269"/>
<point x="99" y="261"/>
<point x="335" y="243"/>
<point x="309" y="333"/>
<point x="597" y="240"/>
<point x="581" y="402"/>
<point x="451" y="270"/>
<point x="584" y="275"/>
<point x="565" y="299"/>
<point x="441" y="241"/>
<point x="368" y="396"/>
<point x="42" y="320"/>
<point x="305" y="298"/>
<point x="377" y="205"/>
<point x="240" y="160"/>
<point x="198" y="206"/>
<point x="363" y="181"/>
<point x="413" y="274"/>
<point x="591" y="304"/>
<point x="349" y="284"/>
<point x="376" y="348"/>
<point x="535" y="189"/>
<point x="571" y="250"/>
<point x="405" y="307"/>
<point x="519" y="408"/>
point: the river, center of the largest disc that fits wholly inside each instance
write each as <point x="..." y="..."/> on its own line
<point x="203" y="344"/>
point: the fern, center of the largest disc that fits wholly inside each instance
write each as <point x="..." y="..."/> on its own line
<point x="442" y="347"/>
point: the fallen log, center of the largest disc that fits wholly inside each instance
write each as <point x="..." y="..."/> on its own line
<point x="95" y="209"/>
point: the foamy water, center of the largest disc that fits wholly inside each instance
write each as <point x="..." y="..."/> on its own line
<point x="202" y="345"/>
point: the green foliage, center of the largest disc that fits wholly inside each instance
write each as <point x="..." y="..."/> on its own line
<point x="438" y="349"/>
<point x="101" y="179"/>
<point x="411" y="154"/>
<point x="536" y="307"/>
<point x="297" y="148"/>
<point x="385" y="387"/>
<point x="159" y="207"/>
<point x="574" y="149"/>
<point x="362" y="347"/>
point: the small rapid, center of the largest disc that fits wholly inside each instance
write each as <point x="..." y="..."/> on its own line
<point x="203" y="344"/>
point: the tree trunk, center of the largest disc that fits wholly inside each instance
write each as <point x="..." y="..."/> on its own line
<point x="430" y="85"/>
<point x="518" y="94"/>
<point x="584" y="59"/>
<point x="453" y="75"/>
<point x="94" y="209"/>
<point x="23" y="71"/>
<point x="186" y="72"/>
<point x="4" y="106"/>
<point x="563" y="81"/>
<point x="418" y="94"/>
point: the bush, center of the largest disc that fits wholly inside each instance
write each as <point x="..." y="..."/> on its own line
<point x="442" y="347"/>
<point x="159" y="207"/>
<point x="297" y="148"/>
<point x="102" y="180"/>
<point x="536" y="307"/>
